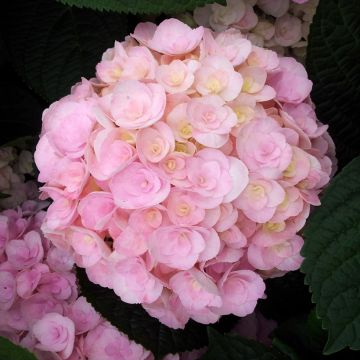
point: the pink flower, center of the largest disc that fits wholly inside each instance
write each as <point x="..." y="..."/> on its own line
<point x="287" y="30"/>
<point x="292" y="205"/>
<point x="135" y="62"/>
<point x="96" y="210"/>
<point x="228" y="217"/>
<point x="83" y="315"/>
<point x="284" y="255"/>
<point x="187" y="166"/>
<point x="24" y="253"/>
<point x="137" y="186"/>
<point x="59" y="286"/>
<point x="217" y="76"/>
<point x="265" y="29"/>
<point x="89" y="248"/>
<point x="182" y="209"/>
<point x="28" y="280"/>
<point x="211" y="121"/>
<point x="100" y="273"/>
<point x="229" y="43"/>
<point x="275" y="8"/>
<point x="12" y="226"/>
<point x="249" y="20"/>
<point x="260" y="199"/>
<point x="178" y="122"/>
<point x="305" y="117"/>
<point x="135" y="105"/>
<point x="109" y="153"/>
<point x="209" y="175"/>
<point x="35" y="307"/>
<point x="291" y="82"/>
<point x="133" y="282"/>
<point x="61" y="212"/>
<point x="168" y="310"/>
<point x="298" y="169"/>
<point x="154" y="143"/>
<point x="254" y="79"/>
<point x="55" y="333"/>
<point x="7" y="290"/>
<point x="195" y="290"/>
<point x="46" y="157"/>
<point x="131" y="242"/>
<point x="68" y="125"/>
<point x="264" y="58"/>
<point x="173" y="168"/>
<point x="147" y="220"/>
<point x="181" y="247"/>
<point x="240" y="291"/>
<point x="106" y="343"/>
<point x="234" y="238"/>
<point x="263" y="147"/>
<point x="178" y="76"/>
<point x="223" y="16"/>
<point x="171" y="37"/>
<point x="69" y="177"/>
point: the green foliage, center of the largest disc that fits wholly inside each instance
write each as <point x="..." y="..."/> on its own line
<point x="10" y="351"/>
<point x="232" y="347"/>
<point x="134" y="321"/>
<point x="52" y="46"/>
<point x="141" y="6"/>
<point x="332" y="259"/>
<point x="334" y="67"/>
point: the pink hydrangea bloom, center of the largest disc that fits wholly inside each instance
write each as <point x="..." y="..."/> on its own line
<point x="183" y="184"/>
<point x="291" y="82"/>
<point x="55" y="333"/>
<point x="171" y="37"/>
<point x="280" y="25"/>
<point x="39" y="304"/>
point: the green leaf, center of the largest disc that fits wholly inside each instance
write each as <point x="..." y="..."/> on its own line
<point x="52" y="46"/>
<point x="141" y="6"/>
<point x="285" y="349"/>
<point x="10" y="351"/>
<point x="332" y="259"/>
<point x="334" y="67"/>
<point x="4" y="196"/>
<point x="134" y="321"/>
<point x="304" y="334"/>
<point x="232" y="347"/>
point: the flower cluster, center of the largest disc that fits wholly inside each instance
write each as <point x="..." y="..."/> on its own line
<point x="181" y="175"/>
<point x="15" y="167"/>
<point x="39" y="304"/>
<point x="280" y="25"/>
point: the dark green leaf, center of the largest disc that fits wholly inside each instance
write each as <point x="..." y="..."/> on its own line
<point x="10" y="351"/>
<point x="285" y="349"/>
<point x="232" y="347"/>
<point x="134" y="321"/>
<point x="332" y="259"/>
<point x="304" y="334"/>
<point x="334" y="67"/>
<point x="52" y="46"/>
<point x="3" y="196"/>
<point x="141" y="6"/>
